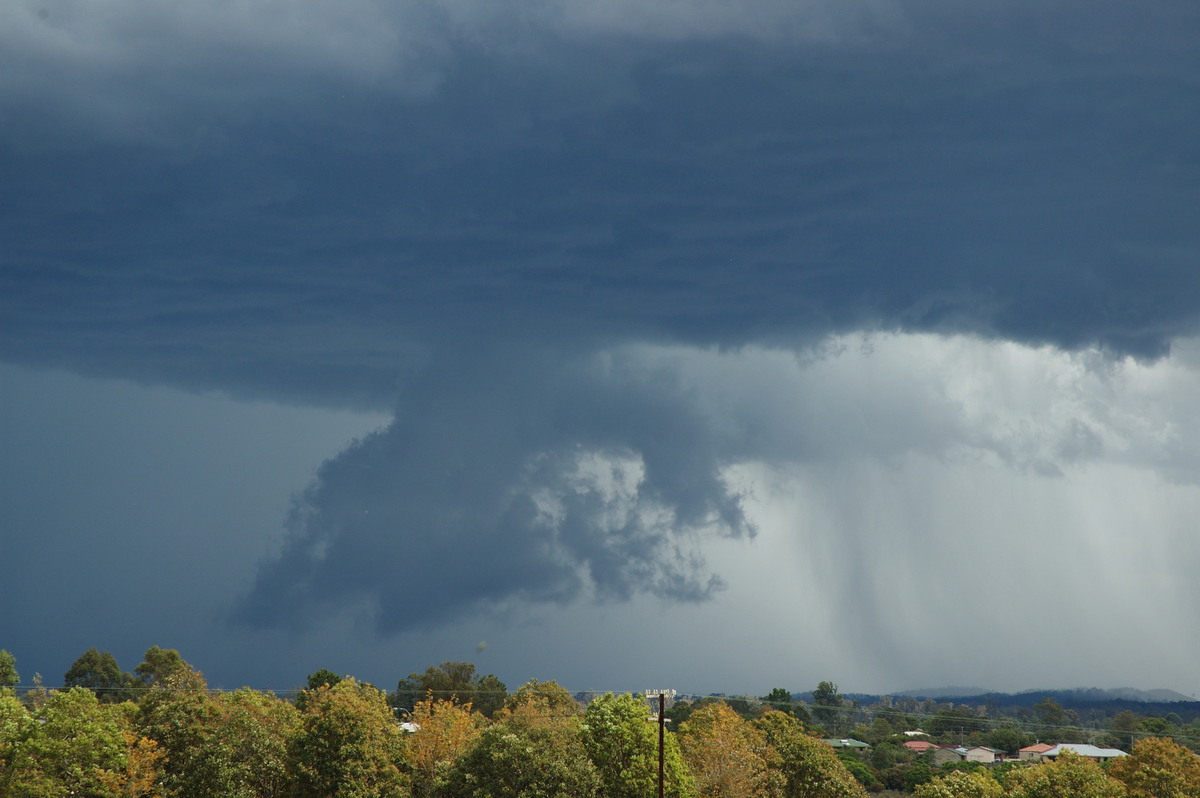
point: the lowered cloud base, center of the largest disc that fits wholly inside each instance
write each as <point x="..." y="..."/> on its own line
<point x="937" y="497"/>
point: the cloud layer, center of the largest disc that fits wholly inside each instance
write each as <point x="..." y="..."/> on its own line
<point x="615" y="269"/>
<point x="281" y="207"/>
<point x="494" y="489"/>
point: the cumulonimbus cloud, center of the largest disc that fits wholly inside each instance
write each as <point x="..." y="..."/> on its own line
<point x="511" y="481"/>
<point x="514" y="482"/>
<point x="478" y="217"/>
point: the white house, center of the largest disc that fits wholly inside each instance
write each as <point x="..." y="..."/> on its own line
<point x="1083" y="749"/>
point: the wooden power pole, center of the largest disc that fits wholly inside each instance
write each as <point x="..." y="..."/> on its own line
<point x="662" y="727"/>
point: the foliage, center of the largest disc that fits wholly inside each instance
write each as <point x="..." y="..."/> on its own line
<point x="98" y="671"/>
<point x="1008" y="740"/>
<point x="920" y="773"/>
<point x="521" y="761"/>
<point x="544" y="705"/>
<point x="348" y="745"/>
<point x="158" y="665"/>
<point x="859" y="770"/>
<point x="779" y="699"/>
<point x="1123" y="726"/>
<point x="623" y="745"/>
<point x="140" y="776"/>
<point x="961" y="784"/>
<point x="179" y="714"/>
<point x="244" y="753"/>
<point x="452" y="681"/>
<point x="18" y="735"/>
<point x="323" y="677"/>
<point x="1068" y="776"/>
<point x="445" y="731"/>
<point x="954" y="721"/>
<point x="8" y="670"/>
<point x="828" y="707"/>
<point x="1158" y="768"/>
<point x="64" y="746"/>
<point x="231" y="744"/>
<point x="884" y="755"/>
<point x="809" y="766"/>
<point x="727" y="756"/>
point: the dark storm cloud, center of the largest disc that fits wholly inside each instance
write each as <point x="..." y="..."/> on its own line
<point x="510" y="477"/>
<point x="303" y="227"/>
<point x="464" y="209"/>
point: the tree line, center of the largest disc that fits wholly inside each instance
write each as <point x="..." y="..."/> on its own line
<point x="449" y="732"/>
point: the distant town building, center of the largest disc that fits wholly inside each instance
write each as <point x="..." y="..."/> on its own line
<point x="1085" y="750"/>
<point x="1034" y="751"/>
<point x="944" y="755"/>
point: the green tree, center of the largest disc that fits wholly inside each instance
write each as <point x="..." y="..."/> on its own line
<point x="65" y="747"/>
<point x="1068" y="776"/>
<point x="521" y="761"/>
<point x="886" y="754"/>
<point x="829" y="707"/>
<point x="1008" y="740"/>
<point x="8" y="670"/>
<point x="159" y="664"/>
<point x="1158" y="768"/>
<point x="180" y="715"/>
<point x="315" y="681"/>
<point x="623" y="745"/>
<point x="98" y="671"/>
<point x="954" y="722"/>
<point x="545" y="705"/>
<point x="244" y="751"/>
<point x="1050" y="713"/>
<point x="19" y="776"/>
<point x="452" y="681"/>
<point x="781" y="700"/>
<point x="961" y="784"/>
<point x="1123" y="726"/>
<point x="917" y="774"/>
<point x="728" y="756"/>
<point x="322" y="678"/>
<point x="80" y="738"/>
<point x="809" y="766"/>
<point x="348" y="745"/>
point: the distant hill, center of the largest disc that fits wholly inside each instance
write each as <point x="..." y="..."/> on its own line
<point x="1072" y="695"/>
<point x="1088" y="701"/>
<point x="942" y="692"/>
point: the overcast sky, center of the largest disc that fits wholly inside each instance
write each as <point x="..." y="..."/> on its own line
<point x="720" y="345"/>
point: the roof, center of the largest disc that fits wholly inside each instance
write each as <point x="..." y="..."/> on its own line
<point x="1036" y="748"/>
<point x="847" y="742"/>
<point x="918" y="745"/>
<point x="1084" y="749"/>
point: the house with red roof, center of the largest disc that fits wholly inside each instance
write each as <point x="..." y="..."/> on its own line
<point x="1034" y="751"/>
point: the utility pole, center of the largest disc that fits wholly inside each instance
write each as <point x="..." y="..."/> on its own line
<point x="662" y="735"/>
<point x="662" y="727"/>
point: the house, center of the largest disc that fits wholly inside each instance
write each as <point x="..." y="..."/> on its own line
<point x="981" y="753"/>
<point x="1083" y="749"/>
<point x="944" y="755"/>
<point x="1034" y="751"/>
<point x="918" y="746"/>
<point x="848" y="743"/>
